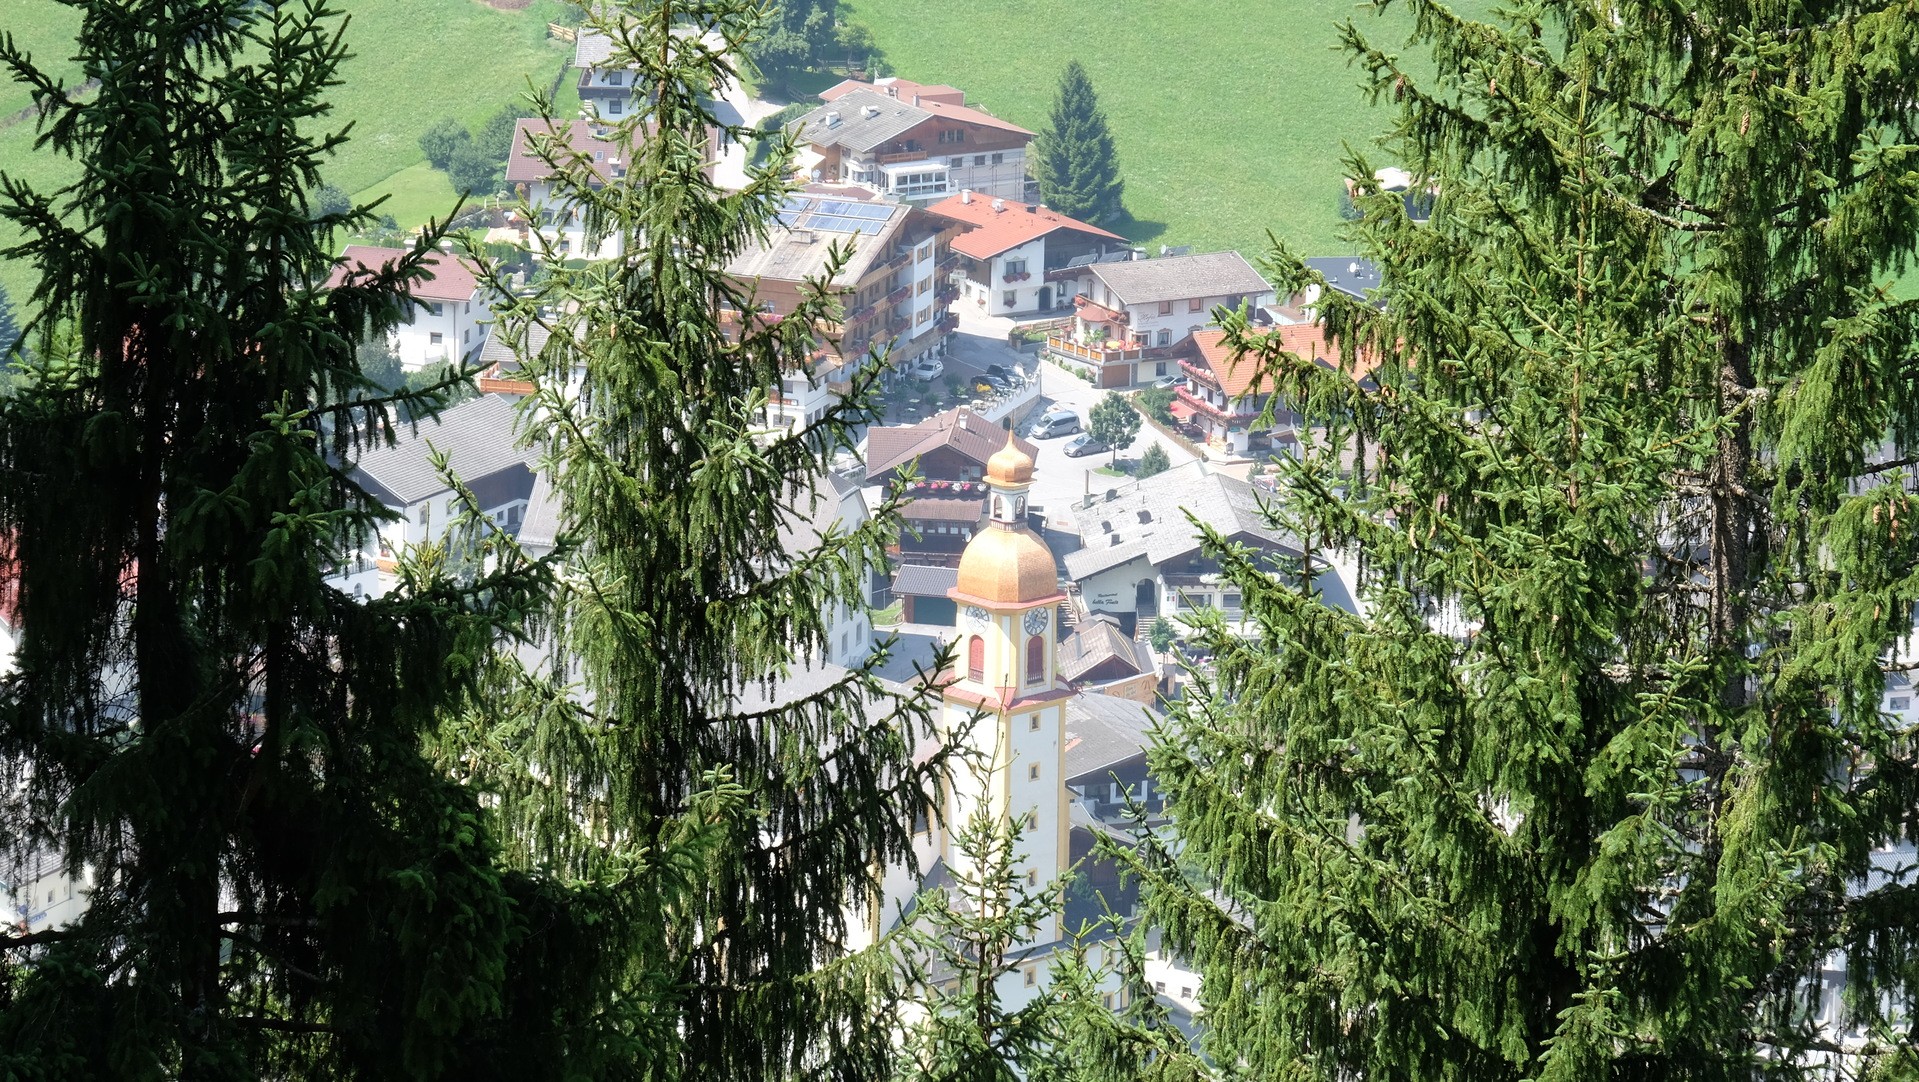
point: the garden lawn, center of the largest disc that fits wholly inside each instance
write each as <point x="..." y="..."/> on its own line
<point x="414" y="62"/>
<point x="1230" y="119"/>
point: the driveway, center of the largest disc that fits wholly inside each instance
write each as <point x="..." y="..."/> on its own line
<point x="735" y="106"/>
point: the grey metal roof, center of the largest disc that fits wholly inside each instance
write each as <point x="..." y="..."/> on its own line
<point x="591" y="48"/>
<point x="1103" y="731"/>
<point x="1174" y="278"/>
<point x="1350" y="275"/>
<point x="480" y="439"/>
<point x="855" y="130"/>
<point x="541" y="526"/>
<point x="925" y="580"/>
<point x="498" y="350"/>
<point x="1149" y="519"/>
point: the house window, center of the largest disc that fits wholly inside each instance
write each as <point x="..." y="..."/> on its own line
<point x="955" y="163"/>
<point x="1032" y="976"/>
<point x="1032" y="724"/>
<point x="1010" y="298"/>
<point x="1165" y="336"/>
<point x="466" y="335"/>
<point x="616" y="78"/>
<point x="1902" y="702"/>
<point x="1032" y="877"/>
<point x="1185" y="991"/>
<point x="469" y="307"/>
<point x="1194" y="305"/>
<point x="1160" y="987"/>
<point x="1035" y="659"/>
<point x="1165" y="308"/>
<point x="615" y="107"/>
<point x="976" y="659"/>
<point x="979" y="159"/>
<point x="1032" y="819"/>
<point x="435" y="338"/>
<point x="426" y="514"/>
<point x="1159" y="368"/>
<point x="1032" y="771"/>
<point x="998" y="158"/>
<point x="925" y="286"/>
<point x="1015" y="266"/>
<point x="953" y="135"/>
<point x="435" y="308"/>
<point x="1229" y="602"/>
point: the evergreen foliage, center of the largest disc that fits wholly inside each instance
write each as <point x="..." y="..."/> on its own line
<point x="10" y="330"/>
<point x="731" y="819"/>
<point x="1597" y="784"/>
<point x="1113" y="421"/>
<point x="1078" y="168"/>
<point x="1154" y="460"/>
<point x="281" y="883"/>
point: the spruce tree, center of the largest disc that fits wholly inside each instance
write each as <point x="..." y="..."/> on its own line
<point x="1077" y="167"/>
<point x="680" y="694"/>
<point x="1595" y="783"/>
<point x="229" y="749"/>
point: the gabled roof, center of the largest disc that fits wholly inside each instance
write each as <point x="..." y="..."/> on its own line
<point x="1098" y="640"/>
<point x="591" y="48"/>
<point x="588" y="138"/>
<point x="1013" y="224"/>
<point x="811" y="227"/>
<point x="480" y="439"/>
<point x="811" y="511"/>
<point x="863" y="119"/>
<point x="924" y="580"/>
<point x="1149" y="519"/>
<point x="1350" y="275"/>
<point x="1103" y="731"/>
<point x="1238" y="374"/>
<point x="905" y="90"/>
<point x="1181" y="277"/>
<point x="453" y="278"/>
<point x="959" y="429"/>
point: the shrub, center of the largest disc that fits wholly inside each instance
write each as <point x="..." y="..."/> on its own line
<point x="1160" y="633"/>
<point x="1157" y="403"/>
<point x="1154" y="460"/>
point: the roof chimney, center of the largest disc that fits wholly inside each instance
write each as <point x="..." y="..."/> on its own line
<point x="871" y="111"/>
<point x="832" y="118"/>
<point x="966" y="195"/>
<point x="1031" y="209"/>
<point x="999" y="205"/>
<point x="916" y="101"/>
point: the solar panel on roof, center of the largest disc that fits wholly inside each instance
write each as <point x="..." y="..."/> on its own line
<point x="845" y="209"/>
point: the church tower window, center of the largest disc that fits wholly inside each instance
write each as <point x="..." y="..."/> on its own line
<point x="1035" y="659"/>
<point x="976" y="659"/>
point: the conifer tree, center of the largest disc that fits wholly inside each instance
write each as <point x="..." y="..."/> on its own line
<point x="1596" y="783"/>
<point x="682" y="692"/>
<point x="1077" y="166"/>
<point x="227" y="748"/>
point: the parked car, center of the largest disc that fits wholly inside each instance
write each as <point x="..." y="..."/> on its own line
<point x="1085" y="444"/>
<point x="987" y="383"/>
<point x="928" y="369"/>
<point x="1056" y="423"/>
<point x="1010" y="375"/>
<point x="1167" y="383"/>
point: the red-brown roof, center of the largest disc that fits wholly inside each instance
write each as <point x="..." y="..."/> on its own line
<point x="959" y="428"/>
<point x="1238" y="374"/>
<point x="1016" y="223"/>
<point x="970" y="115"/>
<point x="1089" y="311"/>
<point x="453" y="278"/>
<point x="906" y="90"/>
<point x="584" y="136"/>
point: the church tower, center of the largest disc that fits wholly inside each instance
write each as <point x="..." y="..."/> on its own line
<point x="1008" y="677"/>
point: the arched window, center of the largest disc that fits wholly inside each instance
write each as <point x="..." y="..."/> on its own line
<point x="1035" y="659"/>
<point x="976" y="659"/>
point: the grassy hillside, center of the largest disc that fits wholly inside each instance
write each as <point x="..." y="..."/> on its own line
<point x="1230" y="119"/>
<point x="414" y="62"/>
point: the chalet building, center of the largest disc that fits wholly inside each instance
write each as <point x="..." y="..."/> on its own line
<point x="451" y="309"/>
<point x="1225" y="394"/>
<point x="1010" y="255"/>
<point x="562" y="221"/>
<point x="912" y="142"/>
<point x="887" y="286"/>
<point x="1099" y="656"/>
<point x="948" y="505"/>
<point x="1129" y="316"/>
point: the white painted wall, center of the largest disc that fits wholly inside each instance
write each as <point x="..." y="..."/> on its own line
<point x="461" y="327"/>
<point x="565" y="225"/>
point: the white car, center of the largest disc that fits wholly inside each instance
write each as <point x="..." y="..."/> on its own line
<point x="928" y="369"/>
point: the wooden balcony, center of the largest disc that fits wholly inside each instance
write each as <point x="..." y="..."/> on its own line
<point x="1066" y="347"/>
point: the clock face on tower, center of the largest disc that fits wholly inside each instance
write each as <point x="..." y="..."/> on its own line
<point x="975" y="614"/>
<point x="1036" y="621"/>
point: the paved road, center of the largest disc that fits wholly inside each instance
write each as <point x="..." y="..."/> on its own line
<point x="1057" y="480"/>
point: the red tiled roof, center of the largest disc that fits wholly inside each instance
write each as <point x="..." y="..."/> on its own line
<point x="1089" y="312"/>
<point x="453" y="278"/>
<point x="995" y="231"/>
<point x="523" y="166"/>
<point x="970" y="115"/>
<point x="1237" y="374"/>
<point x="905" y="90"/>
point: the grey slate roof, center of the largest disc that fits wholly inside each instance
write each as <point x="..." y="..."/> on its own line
<point x="541" y="526"/>
<point x="480" y="439"/>
<point x="925" y="580"/>
<point x="1149" y="519"/>
<point x="1098" y="639"/>
<point x="591" y="48"/>
<point x="1103" y="731"/>
<point x="1175" y="278"/>
<point x="1348" y="274"/>
<point x="856" y="130"/>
